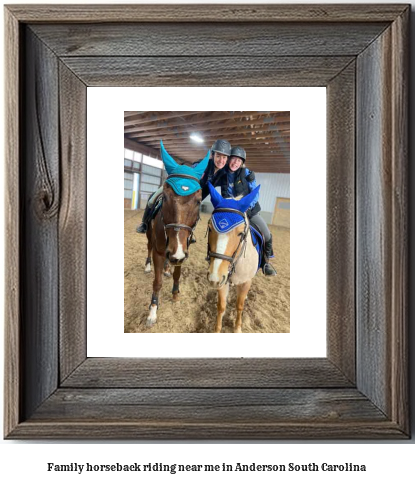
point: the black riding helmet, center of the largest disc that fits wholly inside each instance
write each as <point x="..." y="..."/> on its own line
<point x="221" y="146"/>
<point x="239" y="152"/>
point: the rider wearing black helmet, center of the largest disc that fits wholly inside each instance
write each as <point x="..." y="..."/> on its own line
<point x="215" y="169"/>
<point x="239" y="181"/>
<point x="220" y="152"/>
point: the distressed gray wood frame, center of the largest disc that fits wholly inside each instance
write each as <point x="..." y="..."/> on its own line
<point x="359" y="391"/>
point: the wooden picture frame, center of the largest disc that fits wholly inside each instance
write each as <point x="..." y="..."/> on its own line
<point x="360" y="53"/>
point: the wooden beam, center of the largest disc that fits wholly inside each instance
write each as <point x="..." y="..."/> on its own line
<point x="141" y="148"/>
<point x="248" y="124"/>
<point x="212" y="135"/>
<point x="188" y="145"/>
<point x="216" y="118"/>
<point x="258" y="163"/>
<point x="149" y="151"/>
<point x="152" y="117"/>
<point x="128" y="114"/>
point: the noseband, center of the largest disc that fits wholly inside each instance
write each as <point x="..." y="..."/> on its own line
<point x="233" y="260"/>
<point x="179" y="226"/>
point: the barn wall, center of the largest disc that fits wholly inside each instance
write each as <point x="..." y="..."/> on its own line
<point x="273" y="185"/>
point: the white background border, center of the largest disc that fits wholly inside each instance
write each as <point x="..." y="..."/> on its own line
<point x="105" y="227"/>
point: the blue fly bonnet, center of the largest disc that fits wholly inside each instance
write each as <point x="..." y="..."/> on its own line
<point x="223" y="218"/>
<point x="181" y="185"/>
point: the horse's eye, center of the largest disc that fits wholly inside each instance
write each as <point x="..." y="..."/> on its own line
<point x="240" y="234"/>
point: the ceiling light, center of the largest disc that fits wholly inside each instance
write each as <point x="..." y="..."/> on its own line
<point x="196" y="138"/>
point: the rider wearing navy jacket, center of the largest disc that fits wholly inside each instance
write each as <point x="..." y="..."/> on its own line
<point x="240" y="181"/>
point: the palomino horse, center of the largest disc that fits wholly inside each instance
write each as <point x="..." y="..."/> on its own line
<point x="173" y="226"/>
<point x="231" y="254"/>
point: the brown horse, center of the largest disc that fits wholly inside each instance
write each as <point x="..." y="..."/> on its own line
<point x="172" y="229"/>
<point x="231" y="253"/>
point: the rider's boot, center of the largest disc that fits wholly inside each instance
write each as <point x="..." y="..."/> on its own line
<point x="268" y="269"/>
<point x="142" y="228"/>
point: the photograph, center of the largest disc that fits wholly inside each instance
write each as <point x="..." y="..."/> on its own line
<point x="207" y="222"/>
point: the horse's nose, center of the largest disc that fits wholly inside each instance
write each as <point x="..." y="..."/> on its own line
<point x="179" y="255"/>
<point x="216" y="280"/>
<point x="173" y="260"/>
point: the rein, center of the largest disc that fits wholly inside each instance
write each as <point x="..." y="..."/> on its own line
<point x="233" y="260"/>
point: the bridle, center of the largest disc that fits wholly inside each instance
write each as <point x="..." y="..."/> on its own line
<point x="233" y="260"/>
<point x="178" y="226"/>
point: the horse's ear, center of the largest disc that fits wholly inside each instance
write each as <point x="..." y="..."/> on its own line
<point x="200" y="167"/>
<point x="168" y="161"/>
<point x="246" y="201"/>
<point x="214" y="196"/>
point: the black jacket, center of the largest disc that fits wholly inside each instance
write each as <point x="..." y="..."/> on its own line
<point x="242" y="177"/>
<point x="210" y="175"/>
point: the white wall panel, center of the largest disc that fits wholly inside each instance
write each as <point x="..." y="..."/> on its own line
<point x="272" y="185"/>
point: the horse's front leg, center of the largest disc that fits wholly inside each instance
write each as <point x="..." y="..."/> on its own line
<point x="158" y="260"/>
<point x="176" y="279"/>
<point x="222" y="297"/>
<point x="241" y="293"/>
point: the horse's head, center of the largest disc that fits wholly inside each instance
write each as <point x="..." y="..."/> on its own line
<point x="182" y="196"/>
<point x="180" y="216"/>
<point x="223" y="251"/>
<point x="228" y="230"/>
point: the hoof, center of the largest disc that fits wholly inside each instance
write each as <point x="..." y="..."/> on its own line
<point x="152" y="316"/>
<point x="151" y="323"/>
<point x="167" y="274"/>
<point x="238" y="330"/>
<point x="147" y="269"/>
<point x="176" y="297"/>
